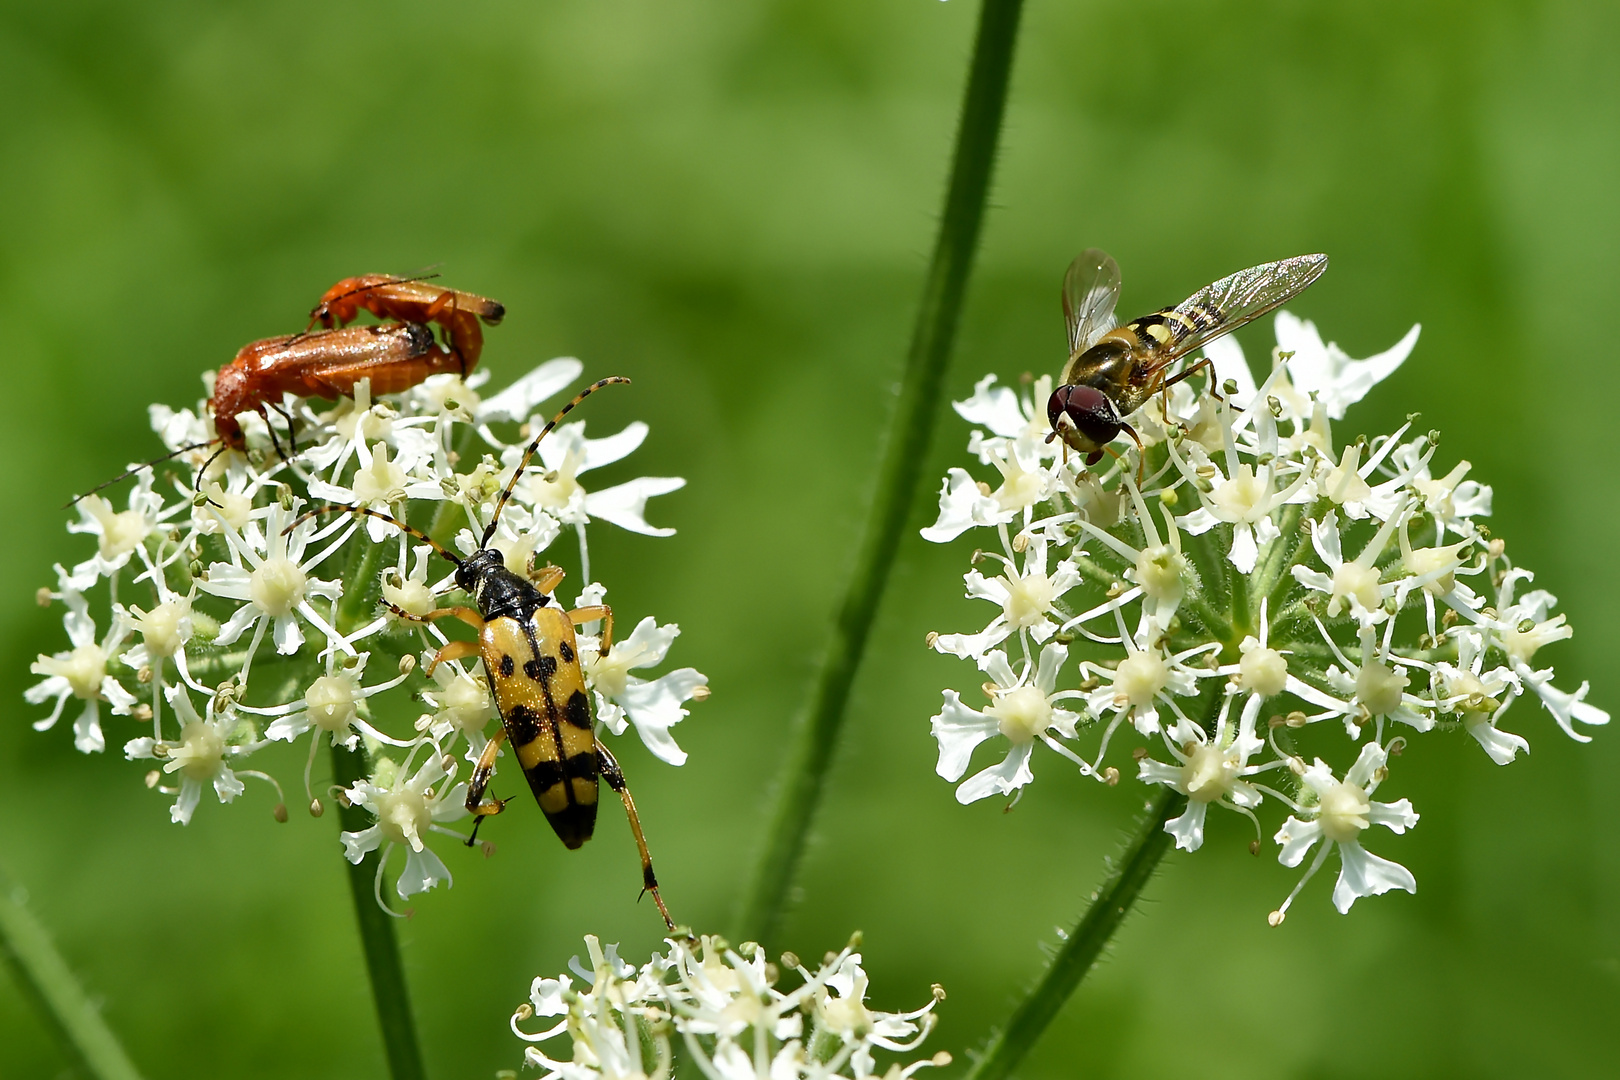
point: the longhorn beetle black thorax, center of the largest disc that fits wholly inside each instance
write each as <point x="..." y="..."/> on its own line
<point x="531" y="659"/>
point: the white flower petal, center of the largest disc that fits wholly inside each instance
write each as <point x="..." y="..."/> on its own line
<point x="423" y="870"/>
<point x="516" y="402"/>
<point x="1188" y="829"/>
<point x="1004" y="778"/>
<point x="626" y="504"/>
<point x="959" y="730"/>
<point x="1364" y="874"/>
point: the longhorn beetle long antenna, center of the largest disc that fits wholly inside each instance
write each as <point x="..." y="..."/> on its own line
<point x="362" y="511"/>
<point x="131" y="472"/>
<point x="489" y="530"/>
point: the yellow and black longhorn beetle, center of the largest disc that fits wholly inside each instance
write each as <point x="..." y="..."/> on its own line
<point x="531" y="660"/>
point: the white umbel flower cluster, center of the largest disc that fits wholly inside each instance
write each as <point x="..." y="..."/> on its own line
<point x="225" y="631"/>
<point x="722" y="1012"/>
<point x="1262" y="589"/>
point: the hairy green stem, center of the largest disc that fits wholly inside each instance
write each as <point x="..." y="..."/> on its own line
<point x="1109" y="906"/>
<point x="45" y="979"/>
<point x="798" y="792"/>
<point x="377" y="938"/>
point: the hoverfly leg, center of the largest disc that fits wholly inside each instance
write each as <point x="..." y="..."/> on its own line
<point x="1141" y="454"/>
<point x="1203" y="362"/>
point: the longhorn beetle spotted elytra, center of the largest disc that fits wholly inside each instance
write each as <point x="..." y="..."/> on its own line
<point x="531" y="659"/>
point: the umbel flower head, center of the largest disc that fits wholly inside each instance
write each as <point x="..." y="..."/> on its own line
<point x="223" y="620"/>
<point x="1269" y="614"/>
<point x="724" y="1012"/>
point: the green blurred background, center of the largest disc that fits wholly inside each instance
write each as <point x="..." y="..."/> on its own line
<point x="732" y="203"/>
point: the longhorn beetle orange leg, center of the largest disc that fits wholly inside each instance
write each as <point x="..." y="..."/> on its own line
<point x="530" y="655"/>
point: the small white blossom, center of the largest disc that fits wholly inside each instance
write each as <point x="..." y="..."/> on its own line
<point x="199" y="756"/>
<point x="407" y="806"/>
<point x="1337" y="814"/>
<point x="81" y="673"/>
<point x="653" y="706"/>
<point x="275" y="584"/>
<point x="1025" y="596"/>
<point x="1021" y="710"/>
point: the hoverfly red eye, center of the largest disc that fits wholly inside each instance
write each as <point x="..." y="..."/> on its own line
<point x="1055" y="404"/>
<point x="1093" y="414"/>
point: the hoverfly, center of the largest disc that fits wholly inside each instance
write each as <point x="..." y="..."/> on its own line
<point x="1113" y="370"/>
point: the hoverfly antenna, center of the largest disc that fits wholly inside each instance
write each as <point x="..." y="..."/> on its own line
<point x="489" y="530"/>
<point x="131" y="472"/>
<point x="362" y="511"/>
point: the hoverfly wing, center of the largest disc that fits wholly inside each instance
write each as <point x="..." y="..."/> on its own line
<point x="1238" y="299"/>
<point x="1090" y="291"/>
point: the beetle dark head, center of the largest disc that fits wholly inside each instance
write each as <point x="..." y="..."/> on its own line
<point x="1083" y="417"/>
<point x="477" y="566"/>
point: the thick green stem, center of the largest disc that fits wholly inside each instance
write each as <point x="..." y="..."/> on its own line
<point x="45" y="979"/>
<point x="1111" y="903"/>
<point x="377" y="938"/>
<point x="799" y="791"/>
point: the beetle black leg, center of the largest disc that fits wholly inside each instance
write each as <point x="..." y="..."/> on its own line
<point x="614" y="776"/>
<point x="292" y="436"/>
